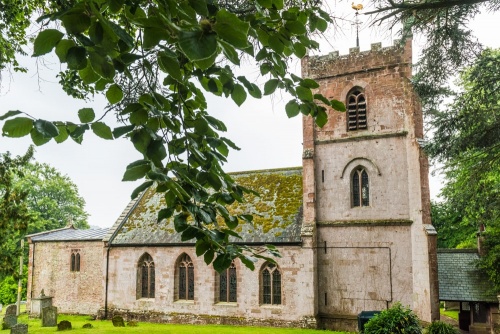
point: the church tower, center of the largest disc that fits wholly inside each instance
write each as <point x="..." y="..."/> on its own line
<point x="366" y="192"/>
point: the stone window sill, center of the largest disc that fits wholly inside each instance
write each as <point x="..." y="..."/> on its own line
<point x="183" y="301"/>
<point x="227" y="304"/>
<point x="271" y="306"/>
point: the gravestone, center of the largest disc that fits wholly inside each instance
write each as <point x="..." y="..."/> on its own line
<point x="11" y="310"/>
<point x="37" y="304"/>
<point x="118" y="321"/>
<point x="88" y="325"/>
<point x="64" y="325"/>
<point x="19" y="329"/>
<point x="9" y="321"/>
<point x="49" y="316"/>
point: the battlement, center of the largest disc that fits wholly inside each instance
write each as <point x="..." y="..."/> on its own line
<point x="378" y="57"/>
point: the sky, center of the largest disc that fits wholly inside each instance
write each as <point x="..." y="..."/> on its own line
<point x="267" y="138"/>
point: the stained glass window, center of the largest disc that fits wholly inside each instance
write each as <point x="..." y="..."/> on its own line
<point x="356" y="110"/>
<point x="186" y="278"/>
<point x="146" y="277"/>
<point x="228" y="285"/>
<point x="360" y="188"/>
<point x="271" y="284"/>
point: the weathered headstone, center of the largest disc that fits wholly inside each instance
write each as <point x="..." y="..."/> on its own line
<point x="118" y="321"/>
<point x="9" y="321"/>
<point x="64" y="325"/>
<point x="132" y="324"/>
<point x="49" y="316"/>
<point x="88" y="325"/>
<point x="19" y="329"/>
<point x="11" y="310"/>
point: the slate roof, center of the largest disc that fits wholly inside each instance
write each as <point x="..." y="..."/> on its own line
<point x="70" y="234"/>
<point x="459" y="279"/>
<point x="277" y="212"/>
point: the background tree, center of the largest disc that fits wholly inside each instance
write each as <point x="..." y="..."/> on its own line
<point x="467" y="141"/>
<point x="14" y="213"/>
<point x="36" y="198"/>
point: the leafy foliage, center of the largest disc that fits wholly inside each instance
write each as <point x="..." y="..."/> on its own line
<point x="467" y="141"/>
<point x="439" y="327"/>
<point x="9" y="286"/>
<point x="14" y="212"/>
<point x="155" y="61"/>
<point x="397" y="319"/>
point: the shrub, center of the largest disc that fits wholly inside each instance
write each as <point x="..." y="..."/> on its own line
<point x="397" y="319"/>
<point x="439" y="327"/>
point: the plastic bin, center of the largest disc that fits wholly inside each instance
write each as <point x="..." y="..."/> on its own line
<point x="364" y="317"/>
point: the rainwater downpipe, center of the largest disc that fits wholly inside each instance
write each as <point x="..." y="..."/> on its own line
<point x="107" y="281"/>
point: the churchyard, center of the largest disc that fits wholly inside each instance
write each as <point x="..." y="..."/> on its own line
<point x="98" y="327"/>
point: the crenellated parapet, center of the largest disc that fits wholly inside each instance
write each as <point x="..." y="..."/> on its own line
<point x="377" y="58"/>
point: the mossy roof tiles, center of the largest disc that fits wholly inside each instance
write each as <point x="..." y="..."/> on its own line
<point x="277" y="212"/>
<point x="459" y="279"/>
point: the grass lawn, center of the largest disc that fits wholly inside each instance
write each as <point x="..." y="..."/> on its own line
<point x="34" y="326"/>
<point x="450" y="314"/>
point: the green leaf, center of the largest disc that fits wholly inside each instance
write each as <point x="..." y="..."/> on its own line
<point x="278" y="4"/>
<point x="276" y="44"/>
<point x="114" y="94"/>
<point x="201" y="247"/>
<point x="86" y="115"/>
<point x="62" y="49"/>
<point x="304" y="94"/>
<point x="197" y="45"/>
<point x="115" y="5"/>
<point x="141" y="188"/>
<point x="239" y="95"/>
<point x="156" y="152"/>
<point x="321" y="25"/>
<point x="102" y="66"/>
<point x="75" y="23"/>
<point x="248" y="261"/>
<point x="321" y="118"/>
<point x="295" y="27"/>
<point x="88" y="75"/>
<point x="180" y="222"/>
<point x="46" y="41"/>
<point x="10" y="114"/>
<point x="299" y="49"/>
<point x="63" y="134"/>
<point x="46" y="129"/>
<point x="121" y="130"/>
<point x="137" y="170"/>
<point x="222" y="262"/>
<point x="231" y="29"/>
<point x="102" y="130"/>
<point x="230" y="52"/>
<point x="37" y="138"/>
<point x="309" y="83"/>
<point x="76" y="58"/>
<point x="170" y="65"/>
<point x="292" y="109"/>
<point x="139" y="117"/>
<point x="17" y="127"/>
<point x="200" y="6"/>
<point x="265" y="3"/>
<point x="270" y="86"/>
<point x="208" y="256"/>
<point x="141" y="140"/>
<point x="152" y="37"/>
<point x="337" y="105"/>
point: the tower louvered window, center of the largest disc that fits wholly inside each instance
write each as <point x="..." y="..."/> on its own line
<point x="356" y="110"/>
<point x="360" y="188"/>
<point x="185" y="284"/>
<point x="228" y="285"/>
<point x="271" y="284"/>
<point x="146" y="277"/>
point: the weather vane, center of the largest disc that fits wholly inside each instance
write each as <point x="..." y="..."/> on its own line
<point x="357" y="8"/>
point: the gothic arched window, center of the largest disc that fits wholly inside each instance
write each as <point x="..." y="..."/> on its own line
<point x="356" y="109"/>
<point x="228" y="285"/>
<point x="185" y="278"/>
<point x="75" y="260"/>
<point x="146" y="277"/>
<point x="360" y="187"/>
<point x="271" y="284"/>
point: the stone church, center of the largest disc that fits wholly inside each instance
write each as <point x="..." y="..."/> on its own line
<point x="352" y="225"/>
